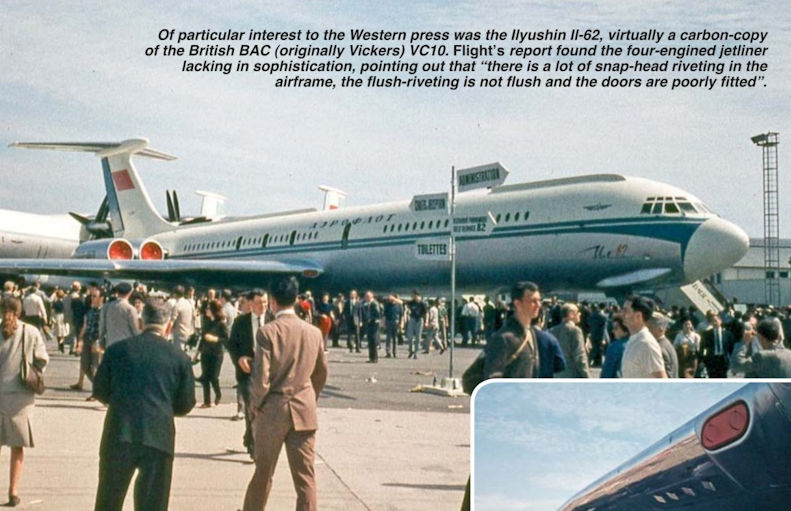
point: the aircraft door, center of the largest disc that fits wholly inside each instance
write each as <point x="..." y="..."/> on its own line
<point x="345" y="237"/>
<point x="238" y="243"/>
<point x="266" y="239"/>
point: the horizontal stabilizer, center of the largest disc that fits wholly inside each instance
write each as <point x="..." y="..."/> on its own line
<point x="138" y="146"/>
<point x="206" y="272"/>
<point x="129" y="206"/>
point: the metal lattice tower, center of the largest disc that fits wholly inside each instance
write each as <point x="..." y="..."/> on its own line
<point x="768" y="143"/>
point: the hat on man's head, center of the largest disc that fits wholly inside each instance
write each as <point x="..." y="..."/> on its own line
<point x="124" y="288"/>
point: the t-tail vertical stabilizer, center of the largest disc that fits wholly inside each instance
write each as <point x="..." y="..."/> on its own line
<point x="131" y="210"/>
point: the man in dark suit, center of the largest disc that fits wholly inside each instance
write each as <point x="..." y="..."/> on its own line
<point x="240" y="347"/>
<point x="372" y="315"/>
<point x="145" y="381"/>
<point x="353" y="315"/>
<point x="597" y="324"/>
<point x="716" y="345"/>
<point x="773" y="360"/>
<point x="288" y="373"/>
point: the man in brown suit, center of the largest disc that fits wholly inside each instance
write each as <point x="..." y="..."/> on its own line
<point x="288" y="374"/>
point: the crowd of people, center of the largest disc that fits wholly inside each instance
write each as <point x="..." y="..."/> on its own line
<point x="591" y="335"/>
<point x="526" y="337"/>
<point x="138" y="350"/>
<point x="735" y="342"/>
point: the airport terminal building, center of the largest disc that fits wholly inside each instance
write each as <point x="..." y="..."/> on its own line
<point x="745" y="279"/>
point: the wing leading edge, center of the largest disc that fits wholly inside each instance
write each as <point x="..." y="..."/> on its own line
<point x="206" y="272"/>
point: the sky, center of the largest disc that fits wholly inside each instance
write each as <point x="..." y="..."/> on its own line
<point x="69" y="74"/>
<point x="537" y="443"/>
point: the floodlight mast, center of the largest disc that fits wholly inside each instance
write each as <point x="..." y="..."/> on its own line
<point x="768" y="144"/>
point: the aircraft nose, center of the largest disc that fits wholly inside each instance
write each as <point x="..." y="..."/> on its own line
<point x="715" y="245"/>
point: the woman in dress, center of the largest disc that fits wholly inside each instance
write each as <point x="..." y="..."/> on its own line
<point x="59" y="322"/>
<point x="213" y="338"/>
<point x="16" y="400"/>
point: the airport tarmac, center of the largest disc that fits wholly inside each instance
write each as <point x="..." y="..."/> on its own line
<point x="379" y="446"/>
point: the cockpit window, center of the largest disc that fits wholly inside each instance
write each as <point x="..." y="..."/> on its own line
<point x="671" y="206"/>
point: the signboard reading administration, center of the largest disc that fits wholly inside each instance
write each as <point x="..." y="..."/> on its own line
<point x="437" y="249"/>
<point x="482" y="176"/>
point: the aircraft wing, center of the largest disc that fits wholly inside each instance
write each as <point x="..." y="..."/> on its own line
<point x="205" y="272"/>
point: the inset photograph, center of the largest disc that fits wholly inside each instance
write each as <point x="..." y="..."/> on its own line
<point x="603" y="446"/>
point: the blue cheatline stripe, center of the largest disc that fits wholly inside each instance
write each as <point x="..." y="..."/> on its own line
<point x="673" y="230"/>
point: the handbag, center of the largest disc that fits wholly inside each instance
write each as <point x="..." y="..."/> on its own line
<point x="473" y="375"/>
<point x="193" y="339"/>
<point x="32" y="377"/>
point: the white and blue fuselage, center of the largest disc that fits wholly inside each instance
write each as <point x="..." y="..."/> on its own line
<point x="588" y="232"/>
<point x="601" y="232"/>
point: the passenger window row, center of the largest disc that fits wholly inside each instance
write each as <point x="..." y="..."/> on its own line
<point x="242" y="242"/>
<point x="415" y="226"/>
<point x="500" y="217"/>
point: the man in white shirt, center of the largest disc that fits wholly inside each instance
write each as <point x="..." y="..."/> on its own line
<point x="226" y="298"/>
<point x="34" y="312"/>
<point x="471" y="315"/>
<point x="181" y="318"/>
<point x="642" y="357"/>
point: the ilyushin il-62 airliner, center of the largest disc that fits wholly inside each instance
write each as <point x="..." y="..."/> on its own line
<point x="603" y="232"/>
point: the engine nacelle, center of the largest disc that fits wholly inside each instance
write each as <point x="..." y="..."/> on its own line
<point x="112" y="249"/>
<point x="151" y="250"/>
